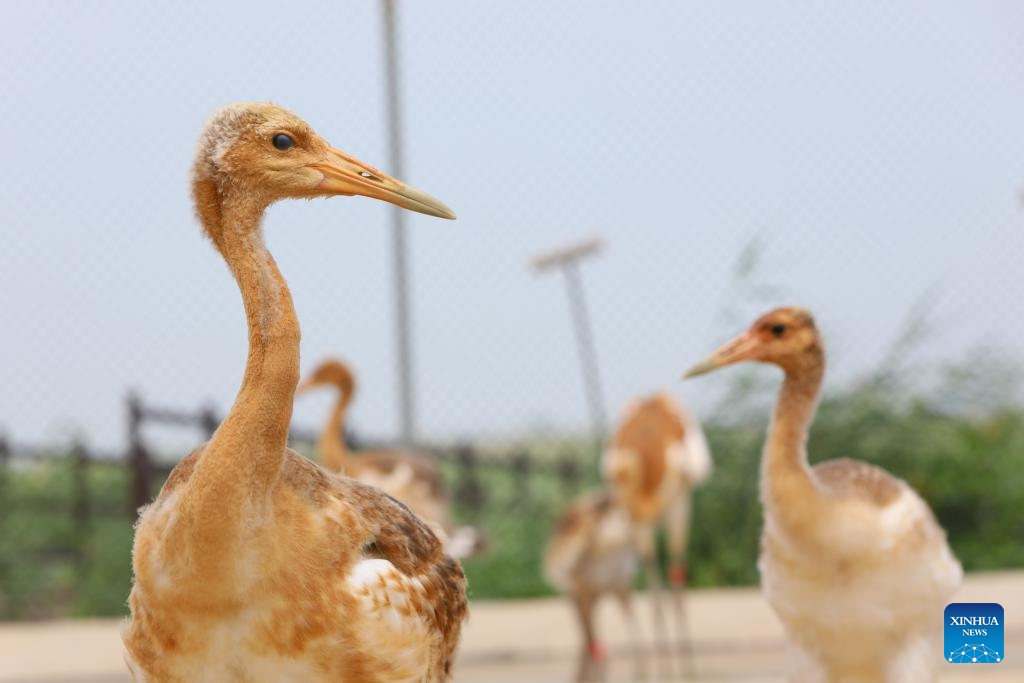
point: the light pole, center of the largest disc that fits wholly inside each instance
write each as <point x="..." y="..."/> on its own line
<point x="567" y="258"/>
<point x="403" y="329"/>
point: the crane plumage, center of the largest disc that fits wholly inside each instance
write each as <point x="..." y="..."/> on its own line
<point x="852" y="560"/>
<point x="254" y="564"/>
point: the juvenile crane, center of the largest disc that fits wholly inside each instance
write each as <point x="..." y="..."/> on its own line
<point x="254" y="564"/>
<point x="591" y="553"/>
<point x="853" y="561"/>
<point x="656" y="459"/>
<point x="409" y="477"/>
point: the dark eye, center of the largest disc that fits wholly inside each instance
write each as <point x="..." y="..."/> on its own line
<point x="283" y="142"/>
<point x="778" y="329"/>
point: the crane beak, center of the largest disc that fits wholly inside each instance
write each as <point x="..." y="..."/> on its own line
<point x="743" y="347"/>
<point x="349" y="176"/>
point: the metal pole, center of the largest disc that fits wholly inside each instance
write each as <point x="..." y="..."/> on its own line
<point x="585" y="347"/>
<point x="403" y="331"/>
<point x="567" y="259"/>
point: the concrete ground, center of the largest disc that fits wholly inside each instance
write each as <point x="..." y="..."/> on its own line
<point x="736" y="638"/>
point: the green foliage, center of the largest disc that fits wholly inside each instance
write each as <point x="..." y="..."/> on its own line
<point x="726" y="512"/>
<point x="55" y="560"/>
<point x="517" y="514"/>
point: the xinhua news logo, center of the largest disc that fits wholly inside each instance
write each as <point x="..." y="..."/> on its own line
<point x="974" y="633"/>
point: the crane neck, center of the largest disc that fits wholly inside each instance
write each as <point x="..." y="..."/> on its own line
<point x="788" y="485"/>
<point x="331" y="449"/>
<point x="248" y="447"/>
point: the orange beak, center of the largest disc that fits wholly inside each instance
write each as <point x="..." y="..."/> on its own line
<point x="349" y="176"/>
<point x="743" y="347"/>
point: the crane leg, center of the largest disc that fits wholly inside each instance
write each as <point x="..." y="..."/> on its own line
<point x="624" y="595"/>
<point x="592" y="657"/>
<point x="677" y="523"/>
<point x="647" y="549"/>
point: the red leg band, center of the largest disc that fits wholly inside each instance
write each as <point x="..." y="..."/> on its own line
<point x="677" y="575"/>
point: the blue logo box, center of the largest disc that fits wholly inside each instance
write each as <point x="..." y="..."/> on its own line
<point x="974" y="633"/>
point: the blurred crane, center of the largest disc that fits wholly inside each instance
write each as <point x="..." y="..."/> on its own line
<point x="852" y="559"/>
<point x="656" y="458"/>
<point x="591" y="553"/>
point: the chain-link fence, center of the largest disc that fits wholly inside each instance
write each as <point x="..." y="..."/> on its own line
<point x="864" y="161"/>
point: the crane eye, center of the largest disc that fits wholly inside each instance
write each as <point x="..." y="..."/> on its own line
<point x="283" y="142"/>
<point x="778" y="329"/>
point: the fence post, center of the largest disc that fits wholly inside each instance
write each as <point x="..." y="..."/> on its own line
<point x="138" y="458"/>
<point x="568" y="473"/>
<point x="80" y="500"/>
<point x="468" y="491"/>
<point x="352" y="440"/>
<point x="209" y="421"/>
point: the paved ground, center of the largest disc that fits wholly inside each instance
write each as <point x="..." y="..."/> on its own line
<point x="737" y="639"/>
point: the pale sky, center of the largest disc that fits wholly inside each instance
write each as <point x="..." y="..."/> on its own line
<point x="876" y="147"/>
